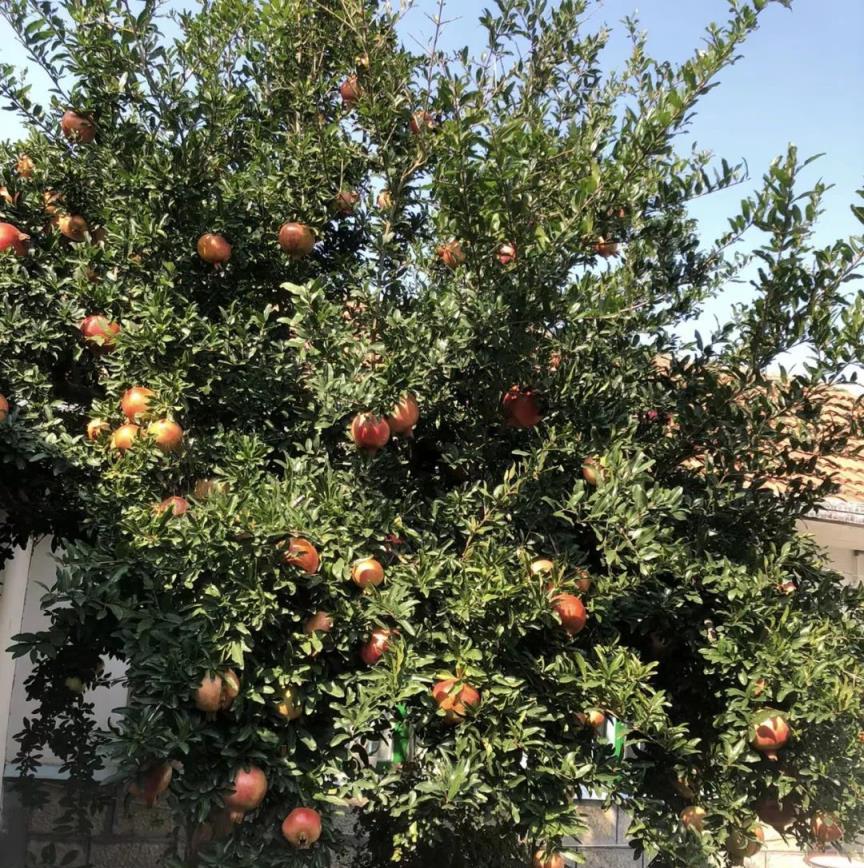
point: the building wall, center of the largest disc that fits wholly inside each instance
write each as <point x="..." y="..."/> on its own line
<point x="128" y="835"/>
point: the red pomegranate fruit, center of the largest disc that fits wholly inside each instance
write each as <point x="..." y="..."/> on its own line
<point x="404" y="416"/>
<point x="769" y="732"/>
<point x="825" y="828"/>
<point x="95" y="429"/>
<point x="213" y="248"/>
<point x="422" y="122"/>
<point x="455" y="702"/>
<point x="166" y="434"/>
<point x="506" y="253"/>
<point x="12" y="238"/>
<point x="320" y="622"/>
<point x="177" y="506"/>
<point x="345" y="202"/>
<point x="520" y="407"/>
<point x="4" y="408"/>
<point x="451" y="254"/>
<point x="571" y="611"/>
<point x="693" y="818"/>
<point x="302" y="828"/>
<point x="99" y="332"/>
<point x="605" y="248"/>
<point x="77" y="127"/>
<point x="379" y="642"/>
<point x="591" y="471"/>
<point x="350" y="90"/>
<point x="367" y="572"/>
<point x="151" y="783"/>
<point x="71" y="226"/>
<point x="123" y="437"/>
<point x="249" y="789"/>
<point x="369" y="432"/>
<point x="296" y="239"/>
<point x="742" y="844"/>
<point x="136" y="402"/>
<point x="302" y="554"/>
<point x="547" y="859"/>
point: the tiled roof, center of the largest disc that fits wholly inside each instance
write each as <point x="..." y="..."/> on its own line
<point x="847" y="468"/>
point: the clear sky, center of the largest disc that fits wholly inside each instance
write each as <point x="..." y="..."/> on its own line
<point x="801" y="80"/>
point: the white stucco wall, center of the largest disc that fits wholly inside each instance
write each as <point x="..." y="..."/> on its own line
<point x="42" y="572"/>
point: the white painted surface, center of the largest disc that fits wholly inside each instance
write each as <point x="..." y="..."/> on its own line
<point x="43" y="570"/>
<point x="12" y="596"/>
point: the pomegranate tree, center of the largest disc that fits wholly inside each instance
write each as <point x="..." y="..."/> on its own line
<point x="394" y="493"/>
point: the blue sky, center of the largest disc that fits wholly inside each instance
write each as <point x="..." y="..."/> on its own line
<point x="801" y="80"/>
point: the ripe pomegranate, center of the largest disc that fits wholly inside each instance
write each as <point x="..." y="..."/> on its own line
<point x="12" y="236"/>
<point x="506" y="253"/>
<point x="825" y="828"/>
<point x="4" y="408"/>
<point x="208" y="694"/>
<point x="135" y="401"/>
<point x="520" y="407"/>
<point x="606" y="248"/>
<point x="296" y="239"/>
<point x="378" y="643"/>
<point x="301" y="554"/>
<point x="77" y="127"/>
<point x="547" y="860"/>
<point x="213" y="248"/>
<point x="422" y="122"/>
<point x="693" y="818"/>
<point x="769" y="732"/>
<point x="366" y="572"/>
<point x="176" y="505"/>
<point x="51" y="201"/>
<point x="230" y="689"/>
<point x="250" y="787"/>
<point x="205" y="488"/>
<point x="123" y="437"/>
<point x="451" y="254"/>
<point x="571" y="610"/>
<point x="594" y="718"/>
<point x="99" y="332"/>
<point x="290" y="703"/>
<point x="25" y="167"/>
<point x="166" y="434"/>
<point x="743" y="844"/>
<point x="455" y="703"/>
<point x="583" y="581"/>
<point x="777" y="814"/>
<point x="150" y="784"/>
<point x="346" y="201"/>
<point x="320" y="622"/>
<point x="404" y="415"/>
<point x="302" y="828"/>
<point x="350" y="90"/>
<point x="96" y="428"/>
<point x="71" y="226"/>
<point x="542" y="566"/>
<point x="592" y="471"/>
<point x="217" y="692"/>
<point x="369" y="432"/>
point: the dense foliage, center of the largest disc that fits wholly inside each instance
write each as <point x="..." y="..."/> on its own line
<point x="520" y="257"/>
